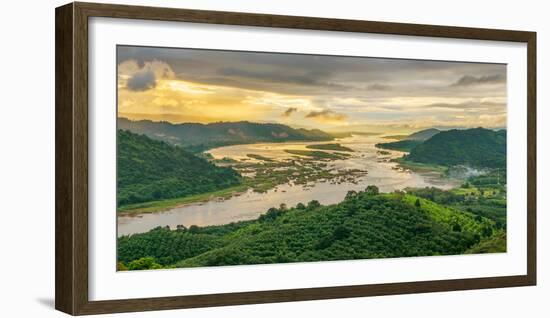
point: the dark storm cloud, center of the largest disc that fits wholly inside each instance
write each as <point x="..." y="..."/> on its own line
<point x="142" y="81"/>
<point x="289" y="111"/>
<point x="468" y="80"/>
<point x="326" y="115"/>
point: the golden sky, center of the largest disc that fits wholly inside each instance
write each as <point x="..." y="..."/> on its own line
<point x="328" y="92"/>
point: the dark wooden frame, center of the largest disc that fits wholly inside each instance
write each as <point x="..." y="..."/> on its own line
<point x="71" y="164"/>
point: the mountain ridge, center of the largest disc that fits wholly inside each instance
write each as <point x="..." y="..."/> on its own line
<point x="197" y="137"/>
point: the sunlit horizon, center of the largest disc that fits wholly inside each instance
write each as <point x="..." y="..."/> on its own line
<point x="330" y="93"/>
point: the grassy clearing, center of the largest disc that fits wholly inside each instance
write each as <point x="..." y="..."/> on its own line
<point x="485" y="192"/>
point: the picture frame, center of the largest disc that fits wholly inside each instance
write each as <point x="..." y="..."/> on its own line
<point x="72" y="265"/>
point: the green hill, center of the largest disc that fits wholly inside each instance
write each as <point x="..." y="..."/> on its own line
<point x="150" y="170"/>
<point x="476" y="147"/>
<point x="198" y="137"/>
<point x="365" y="225"/>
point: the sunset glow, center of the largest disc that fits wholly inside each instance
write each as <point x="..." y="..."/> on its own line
<point x="326" y="92"/>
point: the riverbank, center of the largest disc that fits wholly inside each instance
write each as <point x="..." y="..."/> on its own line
<point x="164" y="205"/>
<point x="420" y="167"/>
<point x="282" y="179"/>
<point x="260" y="177"/>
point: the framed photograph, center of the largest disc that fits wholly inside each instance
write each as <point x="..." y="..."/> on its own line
<point x="218" y="158"/>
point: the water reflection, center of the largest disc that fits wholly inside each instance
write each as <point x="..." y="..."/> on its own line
<point x="250" y="205"/>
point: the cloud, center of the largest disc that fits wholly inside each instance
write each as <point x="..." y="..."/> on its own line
<point x="308" y="78"/>
<point x="145" y="76"/>
<point x="379" y="87"/>
<point x="142" y="81"/>
<point x="326" y="116"/>
<point x="468" y="80"/>
<point x="289" y="111"/>
<point x="471" y="106"/>
<point x="331" y="90"/>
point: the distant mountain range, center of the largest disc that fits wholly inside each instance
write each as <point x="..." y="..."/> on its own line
<point x="198" y="137"/>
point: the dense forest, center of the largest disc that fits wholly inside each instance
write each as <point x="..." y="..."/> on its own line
<point x="150" y="170"/>
<point x="367" y="224"/>
<point x="197" y="137"/>
<point x="476" y="147"/>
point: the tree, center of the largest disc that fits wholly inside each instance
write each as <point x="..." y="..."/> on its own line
<point x="341" y="232"/>
<point x="313" y="204"/>
<point x="300" y="206"/>
<point x="372" y="190"/>
<point x="270" y="215"/>
<point x="417" y="203"/>
<point x="351" y="194"/>
<point x="193" y="229"/>
<point x="487" y="231"/>
<point x="457" y="227"/>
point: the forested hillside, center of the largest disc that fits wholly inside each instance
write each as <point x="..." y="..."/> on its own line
<point x="365" y="225"/>
<point x="476" y="147"/>
<point x="150" y="170"/>
<point x="198" y="137"/>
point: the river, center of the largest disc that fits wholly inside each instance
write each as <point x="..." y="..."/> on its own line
<point x="250" y="205"/>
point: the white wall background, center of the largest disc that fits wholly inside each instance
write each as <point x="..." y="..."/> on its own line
<point x="27" y="158"/>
